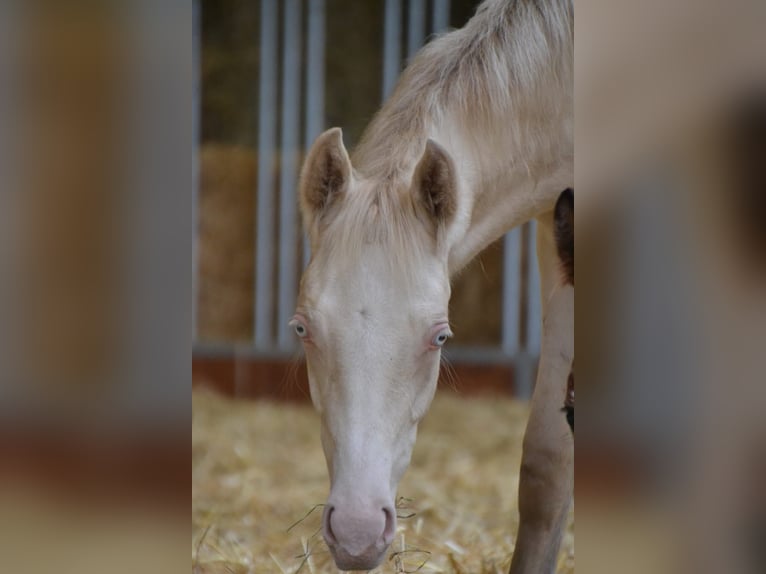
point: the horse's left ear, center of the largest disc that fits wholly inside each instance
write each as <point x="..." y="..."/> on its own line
<point x="435" y="184"/>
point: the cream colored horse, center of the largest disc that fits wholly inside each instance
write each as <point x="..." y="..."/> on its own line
<point x="476" y="139"/>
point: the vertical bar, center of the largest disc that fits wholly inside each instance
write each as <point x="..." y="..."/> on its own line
<point x="534" y="314"/>
<point x="267" y="125"/>
<point x="196" y="40"/>
<point x="440" y="16"/>
<point x="288" y="232"/>
<point x="511" y="292"/>
<point x="526" y="361"/>
<point x="416" y="26"/>
<point x="315" y="70"/>
<point x="14" y="23"/>
<point x="392" y="39"/>
<point x="315" y="77"/>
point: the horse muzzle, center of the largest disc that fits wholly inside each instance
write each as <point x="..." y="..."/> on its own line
<point x="358" y="535"/>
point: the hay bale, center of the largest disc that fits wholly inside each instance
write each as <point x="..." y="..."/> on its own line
<point x="226" y="242"/>
<point x="258" y="469"/>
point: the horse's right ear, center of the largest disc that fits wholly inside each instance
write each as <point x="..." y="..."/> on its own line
<point x="325" y="177"/>
<point x="436" y="185"/>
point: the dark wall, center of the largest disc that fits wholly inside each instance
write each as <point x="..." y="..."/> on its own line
<point x="354" y="62"/>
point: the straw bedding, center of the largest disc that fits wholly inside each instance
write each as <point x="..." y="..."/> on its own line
<point x="258" y="468"/>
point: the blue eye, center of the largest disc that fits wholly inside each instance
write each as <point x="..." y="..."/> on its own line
<point x="299" y="328"/>
<point x="441" y="338"/>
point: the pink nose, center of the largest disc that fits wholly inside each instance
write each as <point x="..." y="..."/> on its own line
<point x="358" y="537"/>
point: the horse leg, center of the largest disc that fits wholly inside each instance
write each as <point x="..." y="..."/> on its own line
<point x="547" y="464"/>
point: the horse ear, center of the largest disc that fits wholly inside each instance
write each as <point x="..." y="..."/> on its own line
<point x="563" y="220"/>
<point x="435" y="184"/>
<point x="325" y="176"/>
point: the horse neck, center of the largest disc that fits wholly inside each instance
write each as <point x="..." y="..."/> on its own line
<point x="502" y="183"/>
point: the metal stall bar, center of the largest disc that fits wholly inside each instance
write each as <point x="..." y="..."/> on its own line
<point x="315" y="64"/>
<point x="196" y="41"/>
<point x="440" y="16"/>
<point x="416" y="26"/>
<point x="291" y="147"/>
<point x="267" y="126"/>
<point x="14" y="21"/>
<point x="526" y="360"/>
<point x="315" y="74"/>
<point x="392" y="40"/>
<point x="511" y="327"/>
<point x="534" y="313"/>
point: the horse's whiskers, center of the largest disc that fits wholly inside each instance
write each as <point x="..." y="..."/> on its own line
<point x="290" y="380"/>
<point x="450" y="375"/>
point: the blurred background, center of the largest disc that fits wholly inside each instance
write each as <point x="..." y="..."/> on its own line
<point x="271" y="77"/>
<point x="96" y="304"/>
<point x="95" y="297"/>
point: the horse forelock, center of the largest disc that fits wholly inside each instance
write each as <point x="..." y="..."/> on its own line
<point x="384" y="219"/>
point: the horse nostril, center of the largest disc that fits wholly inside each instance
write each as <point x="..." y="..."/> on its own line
<point x="328" y="533"/>
<point x="390" y="529"/>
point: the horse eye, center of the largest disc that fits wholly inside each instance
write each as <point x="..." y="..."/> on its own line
<point x="441" y="338"/>
<point x="299" y="327"/>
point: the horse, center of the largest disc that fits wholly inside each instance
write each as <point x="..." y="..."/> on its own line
<point x="476" y="139"/>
